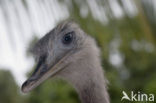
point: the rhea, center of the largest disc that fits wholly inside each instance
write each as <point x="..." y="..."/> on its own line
<point x="69" y="53"/>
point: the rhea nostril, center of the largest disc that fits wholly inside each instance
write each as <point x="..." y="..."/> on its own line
<point x="26" y="83"/>
<point x="44" y="69"/>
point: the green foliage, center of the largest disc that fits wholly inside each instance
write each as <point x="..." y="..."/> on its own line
<point x="8" y="88"/>
<point x="53" y="91"/>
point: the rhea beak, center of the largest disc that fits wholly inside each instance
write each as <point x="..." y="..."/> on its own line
<point x="44" y="72"/>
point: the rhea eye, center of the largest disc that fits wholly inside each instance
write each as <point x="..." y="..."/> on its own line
<point x="67" y="38"/>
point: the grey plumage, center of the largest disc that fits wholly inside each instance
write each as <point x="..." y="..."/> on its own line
<point x="80" y="60"/>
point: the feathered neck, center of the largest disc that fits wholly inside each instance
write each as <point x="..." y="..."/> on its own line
<point x="94" y="91"/>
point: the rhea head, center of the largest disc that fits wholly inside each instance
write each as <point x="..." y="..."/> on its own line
<point x="67" y="52"/>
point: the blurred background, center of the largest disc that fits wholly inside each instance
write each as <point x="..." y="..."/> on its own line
<point x="125" y="31"/>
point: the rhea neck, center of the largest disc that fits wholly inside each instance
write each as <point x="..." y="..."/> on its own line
<point x="93" y="94"/>
<point x="87" y="76"/>
<point x="94" y="89"/>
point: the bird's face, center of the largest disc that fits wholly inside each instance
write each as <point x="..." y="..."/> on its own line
<point x="54" y="52"/>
